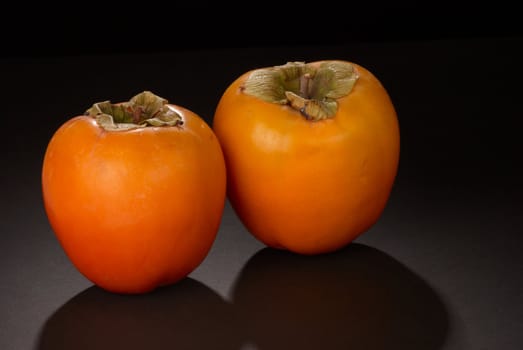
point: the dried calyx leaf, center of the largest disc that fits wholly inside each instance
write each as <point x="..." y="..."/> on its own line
<point x="311" y="90"/>
<point x="142" y="110"/>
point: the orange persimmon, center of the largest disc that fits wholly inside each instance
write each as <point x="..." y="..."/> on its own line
<point x="134" y="192"/>
<point x="311" y="150"/>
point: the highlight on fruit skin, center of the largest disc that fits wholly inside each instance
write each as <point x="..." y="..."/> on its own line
<point x="134" y="192"/>
<point x="311" y="150"/>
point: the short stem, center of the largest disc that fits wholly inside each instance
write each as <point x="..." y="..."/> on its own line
<point x="305" y="80"/>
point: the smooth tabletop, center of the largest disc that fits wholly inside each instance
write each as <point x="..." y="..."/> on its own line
<point x="442" y="268"/>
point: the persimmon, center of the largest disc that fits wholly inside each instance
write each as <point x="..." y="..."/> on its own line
<point x="311" y="150"/>
<point x="134" y="192"/>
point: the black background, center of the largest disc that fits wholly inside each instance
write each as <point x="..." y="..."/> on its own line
<point x="440" y="270"/>
<point x="49" y="28"/>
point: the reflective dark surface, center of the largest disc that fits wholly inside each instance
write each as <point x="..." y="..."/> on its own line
<point x="357" y="298"/>
<point x="440" y="270"/>
<point x="186" y="316"/>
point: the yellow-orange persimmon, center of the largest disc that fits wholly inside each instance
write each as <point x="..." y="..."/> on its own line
<point x="134" y="192"/>
<point x="312" y="151"/>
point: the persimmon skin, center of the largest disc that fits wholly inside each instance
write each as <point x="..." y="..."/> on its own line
<point x="136" y="209"/>
<point x="310" y="187"/>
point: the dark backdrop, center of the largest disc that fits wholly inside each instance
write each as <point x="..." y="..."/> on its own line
<point x="46" y="28"/>
<point x="442" y="268"/>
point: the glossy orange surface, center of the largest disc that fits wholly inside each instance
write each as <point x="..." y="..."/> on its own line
<point x="309" y="186"/>
<point x="134" y="209"/>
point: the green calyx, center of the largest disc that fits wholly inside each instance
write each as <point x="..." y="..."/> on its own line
<point x="143" y="110"/>
<point x="313" y="91"/>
